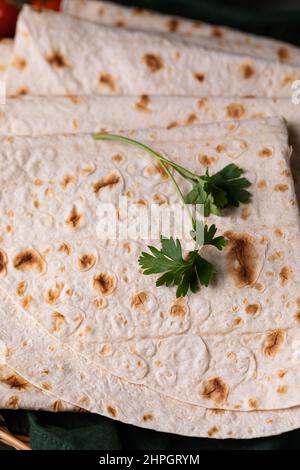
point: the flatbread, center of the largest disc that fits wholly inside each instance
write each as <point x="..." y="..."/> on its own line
<point x="58" y="370"/>
<point x="77" y="57"/>
<point x="64" y="205"/>
<point x="75" y="114"/>
<point x="6" y="50"/>
<point x="193" y="31"/>
<point x="110" y="408"/>
<point x="14" y="392"/>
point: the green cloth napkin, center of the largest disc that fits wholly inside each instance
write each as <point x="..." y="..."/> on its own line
<point x="70" y="431"/>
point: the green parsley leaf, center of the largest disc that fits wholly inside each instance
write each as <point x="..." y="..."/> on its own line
<point x="187" y="273"/>
<point x="227" y="187"/>
<point x="204" y="235"/>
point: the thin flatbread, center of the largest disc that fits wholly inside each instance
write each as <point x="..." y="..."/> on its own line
<point x="79" y="57"/>
<point x="71" y="293"/>
<point x="193" y="31"/>
<point x="6" y="51"/>
<point x="75" y="114"/>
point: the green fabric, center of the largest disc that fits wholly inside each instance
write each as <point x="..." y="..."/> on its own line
<point x="68" y="431"/>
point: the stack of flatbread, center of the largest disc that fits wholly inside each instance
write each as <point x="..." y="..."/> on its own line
<point x="80" y="326"/>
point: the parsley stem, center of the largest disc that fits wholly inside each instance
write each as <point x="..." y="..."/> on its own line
<point x="182" y="171"/>
<point x="163" y="161"/>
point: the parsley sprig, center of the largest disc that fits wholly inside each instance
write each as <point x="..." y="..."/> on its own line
<point x="226" y="188"/>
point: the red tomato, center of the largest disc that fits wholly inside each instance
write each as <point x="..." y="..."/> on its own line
<point x="49" y="4"/>
<point x="8" y="19"/>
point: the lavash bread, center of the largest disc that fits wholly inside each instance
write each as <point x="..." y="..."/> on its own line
<point x="6" y="49"/>
<point x="193" y="31"/>
<point x="59" y="371"/>
<point x="75" y="114"/>
<point x="78" y="57"/>
<point x="16" y="392"/>
<point x="50" y="270"/>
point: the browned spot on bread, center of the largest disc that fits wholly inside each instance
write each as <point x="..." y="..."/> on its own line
<point x="220" y="148"/>
<point x="57" y="60"/>
<point x="101" y="11"/>
<point x="46" y="386"/>
<point x="74" y="219"/>
<point x="199" y="76"/>
<point x="286" y="173"/>
<point x="288" y="79"/>
<point x="285" y="275"/>
<point x="118" y="158"/>
<point x="217" y="33"/>
<point x="261" y="184"/>
<point x="173" y="25"/>
<point x="172" y="124"/>
<point x="112" y="411"/>
<point x="108" y="181"/>
<point x="297" y="316"/>
<point x="51" y="295"/>
<point x="19" y="63"/>
<point x="104" y="283"/>
<point x="29" y="260"/>
<point x="22" y="91"/>
<point x="279" y="232"/>
<point x="235" y="110"/>
<point x="65" y="248"/>
<point x="13" y="402"/>
<point x="273" y="342"/>
<point x="245" y="213"/>
<point x="281" y="188"/>
<point x="276" y="255"/>
<point x="142" y="202"/>
<point x="217" y="411"/>
<point x="138" y="300"/>
<point x="160" y="199"/>
<point x="86" y="262"/>
<point x="3" y="263"/>
<point x="179" y="308"/>
<point x="157" y="169"/>
<point x="26" y="301"/>
<point x="107" y="80"/>
<point x="57" y="321"/>
<point x="21" y="288"/>
<point x="120" y="24"/>
<point x="191" y="119"/>
<point x="253" y="309"/>
<point x="281" y="373"/>
<point x="74" y="99"/>
<point x="16" y="381"/>
<point x="265" y="152"/>
<point x="153" y="62"/>
<point x="242" y="259"/>
<point x="105" y="349"/>
<point x="147" y="417"/>
<point x="67" y="180"/>
<point x="203" y="103"/>
<point x="212" y="431"/>
<point x="215" y="389"/>
<point x="282" y="389"/>
<point x="38" y="182"/>
<point x="253" y="403"/>
<point x="247" y="70"/>
<point x="283" y="53"/>
<point x="143" y="103"/>
<point x="57" y="406"/>
<point x="87" y="170"/>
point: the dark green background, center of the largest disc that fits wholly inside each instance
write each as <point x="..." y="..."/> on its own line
<point x="280" y="19"/>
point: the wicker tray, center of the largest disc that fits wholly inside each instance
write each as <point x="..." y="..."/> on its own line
<point x="11" y="440"/>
